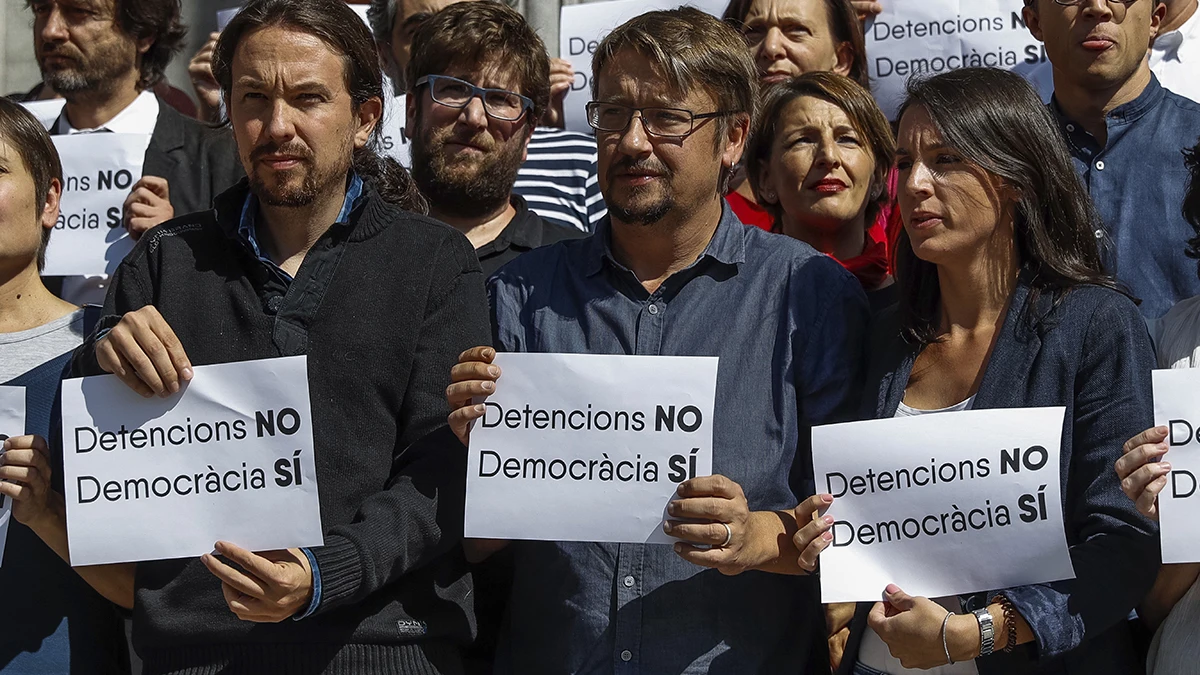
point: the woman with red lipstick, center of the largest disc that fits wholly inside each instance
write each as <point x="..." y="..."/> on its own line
<point x="818" y="162"/>
<point x="788" y="38"/>
<point x="1004" y="304"/>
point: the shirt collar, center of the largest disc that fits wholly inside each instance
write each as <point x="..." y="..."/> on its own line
<point x="139" y="117"/>
<point x="523" y="231"/>
<point x="1150" y="97"/>
<point x="727" y="246"/>
<point x="248" y="229"/>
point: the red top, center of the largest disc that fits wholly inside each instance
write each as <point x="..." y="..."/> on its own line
<point x="749" y="212"/>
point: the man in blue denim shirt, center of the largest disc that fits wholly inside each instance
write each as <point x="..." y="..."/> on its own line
<point x="1127" y="135"/>
<point x="672" y="271"/>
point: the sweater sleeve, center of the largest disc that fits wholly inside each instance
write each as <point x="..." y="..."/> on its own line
<point x="419" y="516"/>
<point x="1115" y="550"/>
<point x="129" y="290"/>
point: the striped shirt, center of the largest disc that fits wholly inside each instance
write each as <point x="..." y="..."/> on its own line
<point x="558" y="179"/>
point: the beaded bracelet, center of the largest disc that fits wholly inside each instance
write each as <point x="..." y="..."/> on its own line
<point x="1010" y="622"/>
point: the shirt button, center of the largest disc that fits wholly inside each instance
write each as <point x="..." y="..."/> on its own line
<point x="1100" y="165"/>
<point x="1070" y="127"/>
<point x="628" y="581"/>
<point x="626" y="655"/>
<point x="653" y="309"/>
<point x="1099" y="234"/>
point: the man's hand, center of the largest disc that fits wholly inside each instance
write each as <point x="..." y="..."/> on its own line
<point x="562" y="75"/>
<point x="271" y="586"/>
<point x="208" y="92"/>
<point x="143" y="351"/>
<point x="473" y="376"/>
<point x="866" y="9"/>
<point x="148" y="204"/>
<point x="25" y="477"/>
<point x="711" y="511"/>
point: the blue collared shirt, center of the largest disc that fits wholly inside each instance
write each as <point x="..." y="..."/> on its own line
<point x="787" y="324"/>
<point x="1137" y="182"/>
<point x="248" y="231"/>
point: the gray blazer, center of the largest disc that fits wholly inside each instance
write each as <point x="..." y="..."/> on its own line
<point x="1087" y="350"/>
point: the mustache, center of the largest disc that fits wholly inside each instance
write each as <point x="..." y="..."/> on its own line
<point x="632" y="165"/>
<point x="297" y="150"/>
<point x="482" y="140"/>
<point x="62" y="50"/>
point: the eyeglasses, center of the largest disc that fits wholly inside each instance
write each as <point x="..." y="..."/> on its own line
<point x="1072" y="3"/>
<point x="662" y="122"/>
<point x="499" y="104"/>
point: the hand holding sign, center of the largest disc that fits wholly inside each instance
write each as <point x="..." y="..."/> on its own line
<point x="912" y="629"/>
<point x="473" y="377"/>
<point x="1142" y="472"/>
<point x="25" y="477"/>
<point x="143" y="351"/>
<point x="148" y="204"/>
<point x="274" y="586"/>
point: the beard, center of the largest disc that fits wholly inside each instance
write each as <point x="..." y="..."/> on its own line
<point x="95" y="73"/>
<point x="465" y="186"/>
<point x="644" y="204"/>
<point x="298" y="186"/>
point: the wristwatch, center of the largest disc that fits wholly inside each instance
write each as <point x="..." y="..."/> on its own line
<point x="987" y="634"/>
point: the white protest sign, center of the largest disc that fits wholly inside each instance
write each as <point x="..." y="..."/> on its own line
<point x="47" y="111"/>
<point x="1177" y="407"/>
<point x="229" y="457"/>
<point x="942" y="504"/>
<point x="12" y="423"/>
<point x="98" y="172"/>
<point x="584" y="26"/>
<point x="928" y="37"/>
<point x="582" y="447"/>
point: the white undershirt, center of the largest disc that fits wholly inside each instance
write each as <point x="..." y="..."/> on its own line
<point x="873" y="652"/>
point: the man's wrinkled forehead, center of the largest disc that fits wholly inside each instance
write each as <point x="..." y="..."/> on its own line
<point x="632" y="76"/>
<point x="288" y="56"/>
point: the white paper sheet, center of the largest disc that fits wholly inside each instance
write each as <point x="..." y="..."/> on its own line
<point x="151" y="479"/>
<point x="99" y="170"/>
<point x="582" y="28"/>
<point x="12" y="423"/>
<point x="1177" y="406"/>
<point x="935" y="36"/>
<point x="580" y="447"/>
<point x="47" y="111"/>
<point x="942" y="504"/>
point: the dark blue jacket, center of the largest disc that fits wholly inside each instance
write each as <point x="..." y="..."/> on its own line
<point x="1088" y="351"/>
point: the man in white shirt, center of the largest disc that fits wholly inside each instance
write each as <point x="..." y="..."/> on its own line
<point x="104" y="57"/>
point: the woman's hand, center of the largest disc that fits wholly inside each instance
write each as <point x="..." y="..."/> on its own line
<point x="1142" y="472"/>
<point x="814" y="535"/>
<point x="912" y="629"/>
<point x="472" y="377"/>
<point x="25" y="477"/>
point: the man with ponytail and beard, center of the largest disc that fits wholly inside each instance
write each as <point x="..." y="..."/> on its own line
<point x="317" y="252"/>
<point x="479" y="82"/>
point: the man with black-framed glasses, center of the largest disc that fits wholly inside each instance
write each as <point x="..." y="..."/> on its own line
<point x="471" y="113"/>
<point x="1126" y="133"/>
<point x="672" y="272"/>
